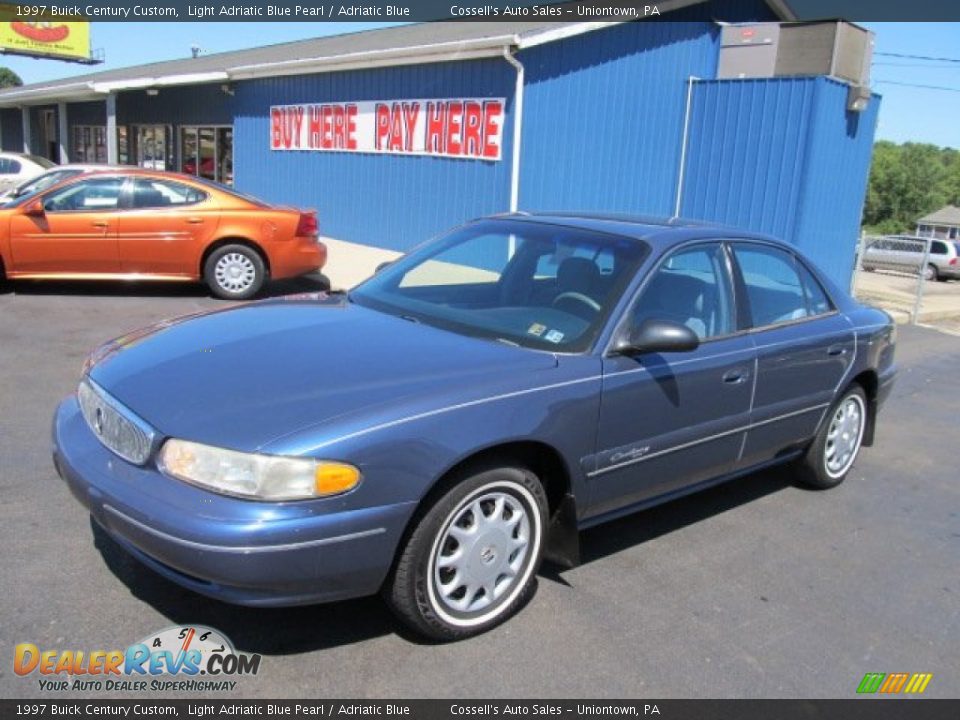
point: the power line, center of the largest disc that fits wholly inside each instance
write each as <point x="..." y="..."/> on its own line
<point x="908" y="56"/>
<point x="926" y="66"/>
<point x="917" y="85"/>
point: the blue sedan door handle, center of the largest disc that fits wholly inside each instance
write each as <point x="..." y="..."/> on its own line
<point x="736" y="376"/>
<point x="835" y="350"/>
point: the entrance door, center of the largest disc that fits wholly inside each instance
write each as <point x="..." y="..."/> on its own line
<point x="48" y="135"/>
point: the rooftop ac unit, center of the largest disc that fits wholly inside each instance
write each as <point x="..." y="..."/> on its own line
<point x="839" y="49"/>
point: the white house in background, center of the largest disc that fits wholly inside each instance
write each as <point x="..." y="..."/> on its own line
<point x="943" y="224"/>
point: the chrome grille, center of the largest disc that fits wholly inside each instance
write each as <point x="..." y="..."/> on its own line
<point x="117" y="428"/>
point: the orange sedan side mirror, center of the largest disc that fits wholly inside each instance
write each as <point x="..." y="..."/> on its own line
<point x="34" y="208"/>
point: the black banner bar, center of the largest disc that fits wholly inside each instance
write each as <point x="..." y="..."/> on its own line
<point x="854" y="709"/>
<point x="46" y="11"/>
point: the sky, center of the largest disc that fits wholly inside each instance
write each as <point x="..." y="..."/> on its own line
<point x="908" y="113"/>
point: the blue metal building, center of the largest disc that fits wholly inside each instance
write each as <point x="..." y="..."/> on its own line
<point x="597" y="116"/>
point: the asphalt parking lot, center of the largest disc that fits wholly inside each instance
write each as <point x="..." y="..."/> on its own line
<point x="757" y="588"/>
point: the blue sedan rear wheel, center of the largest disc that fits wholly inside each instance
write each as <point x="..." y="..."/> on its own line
<point x="835" y="449"/>
<point x="471" y="560"/>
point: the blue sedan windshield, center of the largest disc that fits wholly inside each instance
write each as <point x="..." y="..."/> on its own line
<point x="537" y="285"/>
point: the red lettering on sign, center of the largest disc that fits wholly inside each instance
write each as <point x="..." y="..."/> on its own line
<point x="313" y="137"/>
<point x="454" y="127"/>
<point x="338" y="139"/>
<point x="351" y="129"/>
<point x="410" y="112"/>
<point x="492" y="118"/>
<point x="382" y="113"/>
<point x="296" y="127"/>
<point x="396" y="128"/>
<point x="436" y="116"/>
<point x="472" y="122"/>
<point x="287" y="123"/>
<point x="274" y="128"/>
<point x="325" y="136"/>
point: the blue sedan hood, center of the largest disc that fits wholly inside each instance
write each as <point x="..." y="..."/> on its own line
<point x="242" y="377"/>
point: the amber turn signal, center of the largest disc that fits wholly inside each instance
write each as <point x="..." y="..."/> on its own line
<point x="335" y="478"/>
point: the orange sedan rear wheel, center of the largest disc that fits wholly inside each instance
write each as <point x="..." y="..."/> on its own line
<point x="235" y="272"/>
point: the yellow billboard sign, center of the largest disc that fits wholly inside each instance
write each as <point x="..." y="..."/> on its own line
<point x="67" y="40"/>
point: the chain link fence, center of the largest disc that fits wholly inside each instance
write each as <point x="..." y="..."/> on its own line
<point x="899" y="256"/>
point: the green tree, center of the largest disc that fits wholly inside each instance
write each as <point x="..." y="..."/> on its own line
<point x="8" y="78"/>
<point x="908" y="181"/>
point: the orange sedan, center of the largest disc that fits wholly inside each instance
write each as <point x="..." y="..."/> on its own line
<point x="142" y="224"/>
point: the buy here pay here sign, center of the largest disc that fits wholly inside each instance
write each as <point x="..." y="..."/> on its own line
<point x="470" y="128"/>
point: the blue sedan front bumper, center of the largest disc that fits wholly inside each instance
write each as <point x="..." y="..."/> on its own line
<point x="239" y="551"/>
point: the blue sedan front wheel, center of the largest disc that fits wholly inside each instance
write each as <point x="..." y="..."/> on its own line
<point x="471" y="560"/>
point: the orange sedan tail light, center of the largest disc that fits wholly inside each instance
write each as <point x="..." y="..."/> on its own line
<point x="308" y="223"/>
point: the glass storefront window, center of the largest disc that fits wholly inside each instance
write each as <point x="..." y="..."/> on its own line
<point x="152" y="148"/>
<point x="89" y="144"/>
<point x="207" y="151"/>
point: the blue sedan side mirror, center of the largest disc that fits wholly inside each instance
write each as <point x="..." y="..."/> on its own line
<point x="657" y="336"/>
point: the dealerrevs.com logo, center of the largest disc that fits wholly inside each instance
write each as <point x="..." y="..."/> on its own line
<point x="191" y="658"/>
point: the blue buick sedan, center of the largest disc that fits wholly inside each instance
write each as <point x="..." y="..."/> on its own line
<point x="436" y="432"/>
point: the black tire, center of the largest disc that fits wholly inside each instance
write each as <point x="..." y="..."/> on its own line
<point x="240" y="279"/>
<point x="819" y="468"/>
<point x="931" y="274"/>
<point x="414" y="589"/>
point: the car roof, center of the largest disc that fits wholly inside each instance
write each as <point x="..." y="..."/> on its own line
<point x="654" y="230"/>
<point x="93" y="167"/>
<point x="133" y="170"/>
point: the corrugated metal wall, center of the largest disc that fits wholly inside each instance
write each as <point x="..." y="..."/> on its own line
<point x="603" y="113"/>
<point x="11" y="130"/>
<point x="391" y="201"/>
<point x="835" y="182"/>
<point x="87" y="113"/>
<point x="187" y="105"/>
<point x="782" y="156"/>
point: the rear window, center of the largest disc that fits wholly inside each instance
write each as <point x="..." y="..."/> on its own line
<point x="9" y="166"/>
<point x="231" y="191"/>
<point x="41" y="161"/>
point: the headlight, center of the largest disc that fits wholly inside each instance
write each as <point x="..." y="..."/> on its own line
<point x="249" y="475"/>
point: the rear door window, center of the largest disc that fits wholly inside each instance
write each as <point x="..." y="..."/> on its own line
<point x="775" y="290"/>
<point x="152" y="193"/>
